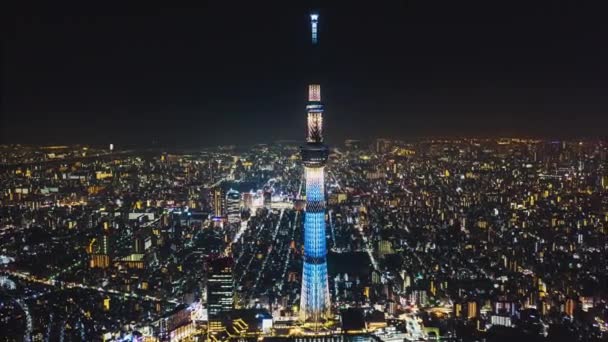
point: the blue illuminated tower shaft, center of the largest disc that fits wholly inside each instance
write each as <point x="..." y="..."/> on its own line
<point x="314" y="305"/>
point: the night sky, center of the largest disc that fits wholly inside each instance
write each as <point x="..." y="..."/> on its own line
<point x="236" y="72"/>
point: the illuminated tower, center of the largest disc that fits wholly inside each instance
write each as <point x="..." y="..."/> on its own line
<point x="314" y="301"/>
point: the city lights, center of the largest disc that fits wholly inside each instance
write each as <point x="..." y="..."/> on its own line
<point x="400" y="215"/>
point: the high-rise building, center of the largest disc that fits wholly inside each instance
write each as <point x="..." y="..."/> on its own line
<point x="383" y="146"/>
<point x="101" y="250"/>
<point x="267" y="198"/>
<point x="233" y="206"/>
<point x="472" y="310"/>
<point x="220" y="291"/>
<point x="352" y="144"/>
<point x="218" y="201"/>
<point x="248" y="200"/>
<point x="384" y="247"/>
<point x="570" y="306"/>
<point x="314" y="301"/>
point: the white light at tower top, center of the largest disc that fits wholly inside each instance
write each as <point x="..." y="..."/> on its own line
<point x="314" y="19"/>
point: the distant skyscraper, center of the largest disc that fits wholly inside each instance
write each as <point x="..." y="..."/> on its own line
<point x="267" y="198"/>
<point x="233" y="206"/>
<point x="218" y="201"/>
<point x="220" y="291"/>
<point x="101" y="250"/>
<point x="314" y="302"/>
<point x="383" y="146"/>
<point x="248" y="200"/>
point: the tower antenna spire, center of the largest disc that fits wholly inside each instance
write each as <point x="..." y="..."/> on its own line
<point x="314" y="27"/>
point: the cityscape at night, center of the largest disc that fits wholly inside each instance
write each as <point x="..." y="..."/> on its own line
<point x="307" y="201"/>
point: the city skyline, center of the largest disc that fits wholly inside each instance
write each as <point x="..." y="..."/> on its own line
<point x="181" y="77"/>
<point x="458" y="238"/>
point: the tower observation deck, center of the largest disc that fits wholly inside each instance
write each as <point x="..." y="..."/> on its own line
<point x="314" y="300"/>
